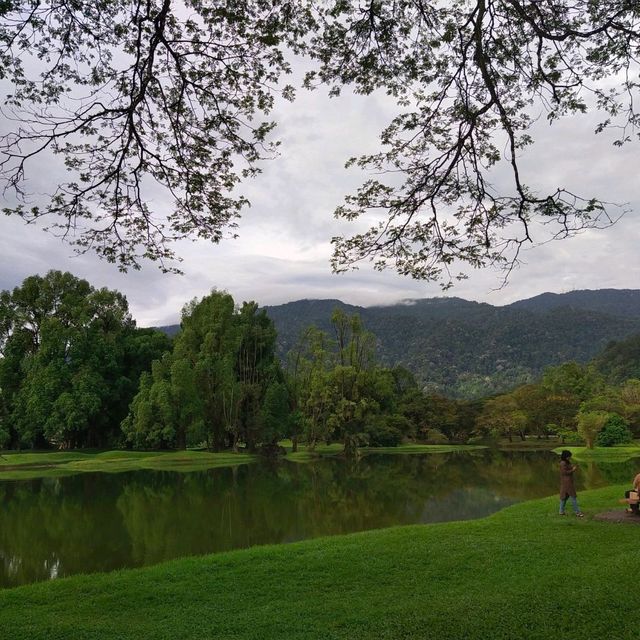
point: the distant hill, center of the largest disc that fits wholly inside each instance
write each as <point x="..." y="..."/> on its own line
<point x="171" y="329"/>
<point x="616" y="302"/>
<point x="620" y="360"/>
<point x="470" y="349"/>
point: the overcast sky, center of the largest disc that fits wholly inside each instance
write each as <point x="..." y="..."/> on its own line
<point x="284" y="247"/>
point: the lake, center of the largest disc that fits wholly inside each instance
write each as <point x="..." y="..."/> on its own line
<point x="54" y="527"/>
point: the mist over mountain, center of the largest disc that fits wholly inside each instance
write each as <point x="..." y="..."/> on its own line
<point x="471" y="349"/>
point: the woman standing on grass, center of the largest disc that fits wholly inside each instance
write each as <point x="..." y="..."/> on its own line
<point x="567" y="485"/>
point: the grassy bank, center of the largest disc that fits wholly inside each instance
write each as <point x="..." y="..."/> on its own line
<point x="522" y="573"/>
<point x="619" y="453"/>
<point x="17" y="466"/>
<point x="304" y="454"/>
<point x="22" y="466"/>
<point x="531" y="444"/>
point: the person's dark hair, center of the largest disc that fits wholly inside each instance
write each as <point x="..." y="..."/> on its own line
<point x="565" y="455"/>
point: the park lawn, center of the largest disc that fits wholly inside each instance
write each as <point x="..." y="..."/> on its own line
<point x="618" y="453"/>
<point x="22" y="466"/>
<point x="523" y="573"/>
<point x="11" y="459"/>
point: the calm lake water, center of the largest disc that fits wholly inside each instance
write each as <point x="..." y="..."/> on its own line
<point x="54" y="527"/>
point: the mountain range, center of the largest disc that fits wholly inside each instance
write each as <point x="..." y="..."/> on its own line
<point x="470" y="349"/>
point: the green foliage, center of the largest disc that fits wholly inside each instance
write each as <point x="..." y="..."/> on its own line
<point x="221" y="384"/>
<point x="590" y="423"/>
<point x="387" y="431"/>
<point x="342" y="394"/>
<point x="630" y="395"/>
<point x="502" y="416"/>
<point x="72" y="360"/>
<point x="276" y="414"/>
<point x="463" y="349"/>
<point x="568" y="436"/>
<point x="620" y="360"/>
<point x="192" y="124"/>
<point x="615" y="431"/>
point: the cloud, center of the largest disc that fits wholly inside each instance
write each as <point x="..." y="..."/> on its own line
<point x="284" y="248"/>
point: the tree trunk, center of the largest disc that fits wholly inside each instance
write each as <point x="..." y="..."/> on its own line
<point x="350" y="447"/>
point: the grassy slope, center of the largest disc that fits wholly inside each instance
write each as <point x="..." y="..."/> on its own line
<point x="619" y="453"/>
<point x="22" y="466"/>
<point x="522" y="573"/>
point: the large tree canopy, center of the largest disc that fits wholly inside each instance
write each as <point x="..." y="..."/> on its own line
<point x="173" y="92"/>
<point x="70" y="361"/>
<point x="134" y="95"/>
<point x="221" y="384"/>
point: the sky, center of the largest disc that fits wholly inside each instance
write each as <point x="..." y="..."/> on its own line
<point x="283" y="250"/>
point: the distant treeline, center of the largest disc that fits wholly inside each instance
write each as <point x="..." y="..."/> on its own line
<point x="471" y="350"/>
<point x="75" y="371"/>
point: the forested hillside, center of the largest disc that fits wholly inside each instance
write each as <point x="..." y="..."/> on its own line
<point x="620" y="360"/>
<point x="469" y="349"/>
<point x="616" y="302"/>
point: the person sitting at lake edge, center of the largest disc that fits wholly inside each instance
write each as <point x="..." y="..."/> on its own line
<point x="632" y="501"/>
<point x="567" y="485"/>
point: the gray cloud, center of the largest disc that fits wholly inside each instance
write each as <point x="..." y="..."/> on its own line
<point x="283" y="251"/>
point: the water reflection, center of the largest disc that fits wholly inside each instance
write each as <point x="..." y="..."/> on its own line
<point x="54" y="527"/>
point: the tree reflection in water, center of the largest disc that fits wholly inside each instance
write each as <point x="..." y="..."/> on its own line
<point x="53" y="527"/>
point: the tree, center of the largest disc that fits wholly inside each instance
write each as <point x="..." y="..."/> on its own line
<point x="352" y="377"/>
<point x="151" y="422"/>
<point x="472" y="76"/>
<point x="221" y="384"/>
<point x="173" y="92"/>
<point x="340" y="393"/>
<point x="502" y="416"/>
<point x="72" y="358"/>
<point x="135" y="93"/>
<point x="630" y="394"/>
<point x="608" y="400"/>
<point x="276" y="413"/>
<point x="615" y="431"/>
<point x="590" y="423"/>
<point x="431" y="414"/>
<point x="308" y="366"/>
<point x="564" y="388"/>
<point x="534" y="402"/>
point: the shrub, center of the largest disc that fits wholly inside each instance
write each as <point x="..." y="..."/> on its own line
<point x="387" y="431"/>
<point x="435" y="436"/>
<point x="567" y="436"/>
<point x="615" y="431"/>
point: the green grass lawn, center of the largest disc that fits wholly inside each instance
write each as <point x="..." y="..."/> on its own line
<point x="618" y="453"/>
<point x="522" y="573"/>
<point x="21" y="466"/>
